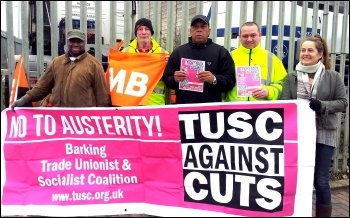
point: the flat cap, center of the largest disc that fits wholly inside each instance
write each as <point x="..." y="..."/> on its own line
<point x="76" y="33"/>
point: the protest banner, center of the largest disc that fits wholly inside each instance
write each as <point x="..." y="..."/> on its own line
<point x="219" y="159"/>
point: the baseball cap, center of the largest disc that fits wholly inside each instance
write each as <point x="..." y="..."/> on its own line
<point x="75" y="33"/>
<point x="199" y="17"/>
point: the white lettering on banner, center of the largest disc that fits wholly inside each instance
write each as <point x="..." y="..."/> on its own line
<point x="92" y="179"/>
<point x="49" y="124"/>
<point x="106" y="196"/>
<point x="81" y="164"/>
<point x="267" y="193"/>
<point x="90" y="125"/>
<point x="260" y="125"/>
<point x="244" y="181"/>
<point x="244" y="158"/>
<point x="86" y="150"/>
<point x="210" y="164"/>
<point x="62" y="165"/>
<point x="18" y="126"/>
<point x="111" y="125"/>
<point x="66" y="180"/>
<point x="136" y="85"/>
<point x="234" y="158"/>
<point x="111" y="179"/>
<point x="235" y="120"/>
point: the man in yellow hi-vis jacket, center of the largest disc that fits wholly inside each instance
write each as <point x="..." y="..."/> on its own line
<point x="146" y="44"/>
<point x="250" y="53"/>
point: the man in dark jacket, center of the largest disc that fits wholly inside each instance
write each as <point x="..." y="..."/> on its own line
<point x="214" y="78"/>
<point x="75" y="79"/>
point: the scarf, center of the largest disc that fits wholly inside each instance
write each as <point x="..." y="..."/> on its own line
<point x="304" y="89"/>
<point x="308" y="69"/>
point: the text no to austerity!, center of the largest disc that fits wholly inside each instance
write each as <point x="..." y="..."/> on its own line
<point x="90" y="125"/>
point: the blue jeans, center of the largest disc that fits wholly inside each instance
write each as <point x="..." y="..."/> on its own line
<point x="323" y="160"/>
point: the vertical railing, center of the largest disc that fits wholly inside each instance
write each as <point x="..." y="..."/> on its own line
<point x="98" y="30"/>
<point x="10" y="42"/>
<point x="113" y="24"/>
<point x="83" y="18"/>
<point x="344" y="41"/>
<point x="54" y="29"/>
<point x="185" y="23"/>
<point x="292" y="53"/>
<point x="228" y="25"/>
<point x="156" y="20"/>
<point x="128" y="27"/>
<point x="170" y="42"/>
<point x="281" y="12"/>
<point x="269" y="16"/>
<point x="40" y="37"/>
<point x="25" y="37"/>
<point x="214" y="20"/>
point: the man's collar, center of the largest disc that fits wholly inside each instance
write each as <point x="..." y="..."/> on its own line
<point x="195" y="45"/>
<point x="145" y="50"/>
<point x="80" y="53"/>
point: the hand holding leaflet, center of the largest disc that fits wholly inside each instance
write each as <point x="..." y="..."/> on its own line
<point x="248" y="79"/>
<point x="192" y="69"/>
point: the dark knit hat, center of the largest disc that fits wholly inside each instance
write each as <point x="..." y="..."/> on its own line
<point x="144" y="22"/>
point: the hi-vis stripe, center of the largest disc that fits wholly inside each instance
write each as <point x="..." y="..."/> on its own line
<point x="267" y="82"/>
<point x="127" y="49"/>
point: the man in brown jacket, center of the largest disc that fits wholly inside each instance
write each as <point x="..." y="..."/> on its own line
<point x="75" y="79"/>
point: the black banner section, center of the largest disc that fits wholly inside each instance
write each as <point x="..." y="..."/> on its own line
<point x="235" y="190"/>
<point x="247" y="126"/>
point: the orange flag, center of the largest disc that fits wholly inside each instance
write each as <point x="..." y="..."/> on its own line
<point x="131" y="77"/>
<point x="19" y="82"/>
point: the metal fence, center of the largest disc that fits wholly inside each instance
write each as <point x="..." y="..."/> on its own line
<point x="284" y="25"/>
<point x="4" y="56"/>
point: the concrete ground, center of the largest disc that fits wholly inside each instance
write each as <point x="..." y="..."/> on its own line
<point x="340" y="200"/>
